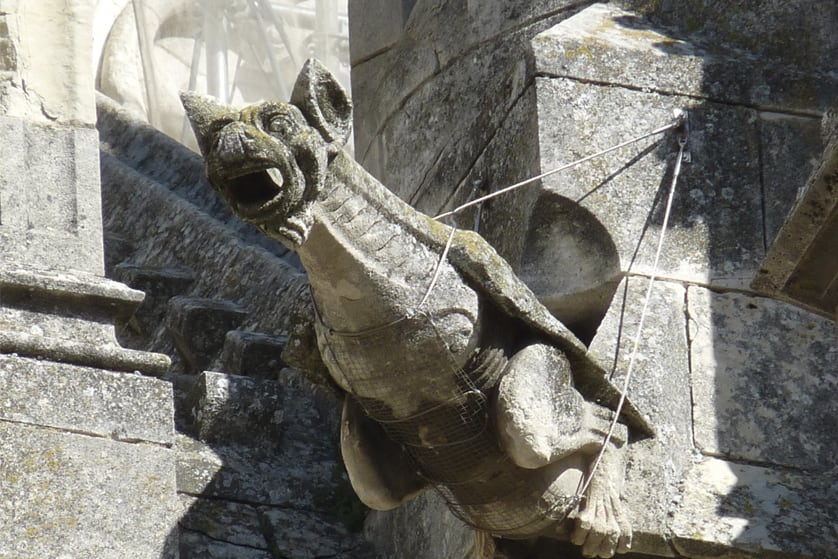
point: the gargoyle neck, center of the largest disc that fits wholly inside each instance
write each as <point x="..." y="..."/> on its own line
<point x="363" y="255"/>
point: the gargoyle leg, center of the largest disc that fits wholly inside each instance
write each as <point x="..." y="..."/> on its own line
<point x="381" y="474"/>
<point x="542" y="420"/>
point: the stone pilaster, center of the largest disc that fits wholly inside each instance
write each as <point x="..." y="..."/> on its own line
<point x="86" y="466"/>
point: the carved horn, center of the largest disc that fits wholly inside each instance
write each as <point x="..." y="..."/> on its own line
<point x="202" y="111"/>
<point x="324" y="102"/>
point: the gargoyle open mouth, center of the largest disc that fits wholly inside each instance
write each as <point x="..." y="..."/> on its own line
<point x="252" y="190"/>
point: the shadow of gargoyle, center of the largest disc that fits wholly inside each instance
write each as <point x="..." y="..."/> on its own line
<point x="456" y="376"/>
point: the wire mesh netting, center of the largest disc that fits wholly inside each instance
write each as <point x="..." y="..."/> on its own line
<point x="438" y="410"/>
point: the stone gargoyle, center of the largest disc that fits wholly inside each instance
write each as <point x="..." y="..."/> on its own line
<point x="455" y="376"/>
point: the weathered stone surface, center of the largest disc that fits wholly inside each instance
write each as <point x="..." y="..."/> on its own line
<point x="660" y="386"/>
<point x="68" y="317"/>
<point x="159" y="285"/>
<point x="235" y="408"/>
<point x="800" y="32"/>
<point x="375" y="27"/>
<point x="170" y="232"/>
<point x="47" y="62"/>
<point x="472" y="68"/>
<point x="766" y="398"/>
<point x="305" y="473"/>
<point x="799" y="265"/>
<point x="605" y="44"/>
<point x="453" y="134"/>
<point x="309" y="535"/>
<point x="731" y="509"/>
<point x="196" y="545"/>
<point x="425" y="529"/>
<point x="715" y="231"/>
<point x="199" y="325"/>
<point x="455" y="28"/>
<point x="68" y="293"/>
<point x="70" y="495"/>
<point x="128" y="142"/>
<point x="253" y="354"/>
<point x="122" y="406"/>
<point x="58" y="224"/>
<point x="229" y="522"/>
<point x="510" y="156"/>
<point x="788" y="145"/>
<point x="117" y="250"/>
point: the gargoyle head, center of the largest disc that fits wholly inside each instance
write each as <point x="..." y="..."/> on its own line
<point x="269" y="160"/>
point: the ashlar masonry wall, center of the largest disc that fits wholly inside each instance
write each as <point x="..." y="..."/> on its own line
<point x="738" y="386"/>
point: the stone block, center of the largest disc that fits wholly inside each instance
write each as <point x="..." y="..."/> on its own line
<point x="67" y="293"/>
<point x="424" y="528"/>
<point x="122" y="406"/>
<point x="196" y="545"/>
<point x="238" y="524"/>
<point x="604" y="62"/>
<point x="603" y="44"/>
<point x="734" y="510"/>
<point x="68" y="317"/>
<point x="300" y="474"/>
<point x="660" y="388"/>
<point x="69" y="495"/>
<point x="788" y="148"/>
<point x="715" y="230"/>
<point x="298" y="534"/>
<point x="763" y="377"/>
<point x="799" y="32"/>
<point x="159" y="285"/>
<point x="50" y="206"/>
<point x="253" y="354"/>
<point x="230" y="408"/>
<point x="199" y="326"/>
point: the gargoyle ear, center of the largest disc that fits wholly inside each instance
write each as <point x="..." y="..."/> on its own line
<point x="202" y="111"/>
<point x="324" y="103"/>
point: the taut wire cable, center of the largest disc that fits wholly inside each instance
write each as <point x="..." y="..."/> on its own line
<point x="682" y="144"/>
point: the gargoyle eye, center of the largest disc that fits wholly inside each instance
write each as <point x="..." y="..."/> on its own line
<point x="282" y="124"/>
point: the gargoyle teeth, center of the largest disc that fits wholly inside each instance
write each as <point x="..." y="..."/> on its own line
<point x="276" y="176"/>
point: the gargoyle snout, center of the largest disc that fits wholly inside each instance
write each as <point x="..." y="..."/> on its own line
<point x="235" y="141"/>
